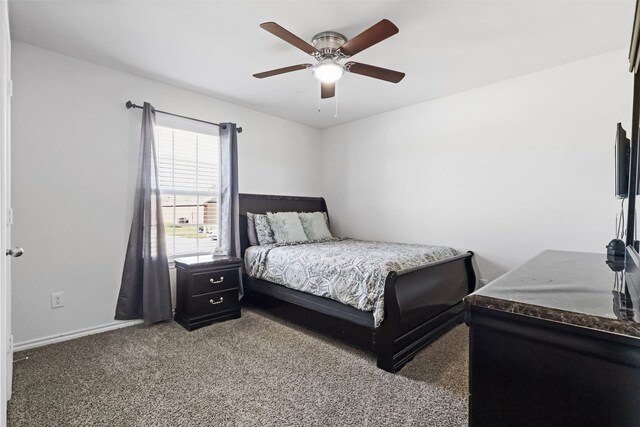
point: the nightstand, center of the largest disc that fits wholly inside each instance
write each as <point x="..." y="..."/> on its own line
<point x="207" y="290"/>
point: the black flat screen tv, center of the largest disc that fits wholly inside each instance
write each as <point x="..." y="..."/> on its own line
<point x="623" y="162"/>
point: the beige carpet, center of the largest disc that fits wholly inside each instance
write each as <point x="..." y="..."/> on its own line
<point x="256" y="370"/>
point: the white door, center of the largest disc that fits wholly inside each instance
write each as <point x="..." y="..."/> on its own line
<point x="6" y="340"/>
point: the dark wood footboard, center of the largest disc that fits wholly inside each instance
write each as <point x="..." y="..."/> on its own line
<point x="420" y="305"/>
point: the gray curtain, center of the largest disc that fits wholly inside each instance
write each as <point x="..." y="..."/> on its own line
<point x="229" y="206"/>
<point x="145" y="292"/>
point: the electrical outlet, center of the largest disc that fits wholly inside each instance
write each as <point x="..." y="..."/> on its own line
<point x="57" y="299"/>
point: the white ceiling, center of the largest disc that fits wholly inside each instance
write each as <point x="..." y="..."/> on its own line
<point x="214" y="47"/>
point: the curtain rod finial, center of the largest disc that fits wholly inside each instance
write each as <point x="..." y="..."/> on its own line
<point x="129" y="105"/>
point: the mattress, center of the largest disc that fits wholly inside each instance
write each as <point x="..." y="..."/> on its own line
<point x="350" y="271"/>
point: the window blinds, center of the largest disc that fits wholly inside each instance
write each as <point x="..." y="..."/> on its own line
<point x="188" y="180"/>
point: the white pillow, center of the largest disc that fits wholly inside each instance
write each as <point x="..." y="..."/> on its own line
<point x="315" y="225"/>
<point x="286" y="227"/>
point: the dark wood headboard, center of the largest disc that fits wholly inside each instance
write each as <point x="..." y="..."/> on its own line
<point x="263" y="203"/>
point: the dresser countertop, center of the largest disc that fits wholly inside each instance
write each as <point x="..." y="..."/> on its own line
<point x="574" y="288"/>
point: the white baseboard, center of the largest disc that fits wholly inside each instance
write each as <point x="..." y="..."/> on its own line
<point x="39" y="342"/>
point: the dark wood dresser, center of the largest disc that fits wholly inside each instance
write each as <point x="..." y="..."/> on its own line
<point x="207" y="290"/>
<point x="555" y="342"/>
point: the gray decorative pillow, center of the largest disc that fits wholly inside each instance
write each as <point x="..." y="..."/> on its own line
<point x="315" y="225"/>
<point x="263" y="229"/>
<point x="286" y="227"/>
<point x="251" y="229"/>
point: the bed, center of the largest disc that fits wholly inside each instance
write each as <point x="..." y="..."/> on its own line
<point x="420" y="303"/>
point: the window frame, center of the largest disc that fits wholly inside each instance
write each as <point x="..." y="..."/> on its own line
<point x="181" y="124"/>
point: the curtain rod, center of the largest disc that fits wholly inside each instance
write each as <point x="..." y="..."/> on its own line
<point x="130" y="105"/>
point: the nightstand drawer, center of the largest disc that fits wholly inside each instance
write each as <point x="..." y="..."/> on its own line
<point x="220" y="280"/>
<point x="203" y="305"/>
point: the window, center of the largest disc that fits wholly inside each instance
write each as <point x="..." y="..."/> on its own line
<point x="188" y="180"/>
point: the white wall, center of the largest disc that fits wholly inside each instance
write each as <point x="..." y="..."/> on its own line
<point x="505" y="170"/>
<point x="75" y="150"/>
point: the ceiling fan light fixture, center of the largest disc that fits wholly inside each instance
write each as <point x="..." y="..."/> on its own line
<point x="328" y="71"/>
<point x="328" y="48"/>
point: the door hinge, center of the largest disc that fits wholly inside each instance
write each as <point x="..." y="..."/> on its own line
<point x="10" y="88"/>
<point x="10" y="344"/>
<point x="10" y="217"/>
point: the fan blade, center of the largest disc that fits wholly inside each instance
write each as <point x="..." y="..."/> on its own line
<point x="289" y="37"/>
<point x="327" y="90"/>
<point x="382" y="30"/>
<point x="281" y="71"/>
<point x="375" y="72"/>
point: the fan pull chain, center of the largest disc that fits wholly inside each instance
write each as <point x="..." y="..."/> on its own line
<point x="335" y="90"/>
<point x="319" y="95"/>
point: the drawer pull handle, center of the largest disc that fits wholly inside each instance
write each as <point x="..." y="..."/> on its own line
<point x="216" y="302"/>
<point x="217" y="281"/>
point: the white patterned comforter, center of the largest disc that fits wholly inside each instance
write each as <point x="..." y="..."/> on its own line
<point x="346" y="270"/>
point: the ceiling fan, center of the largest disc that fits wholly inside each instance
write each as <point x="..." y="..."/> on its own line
<point x="328" y="48"/>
